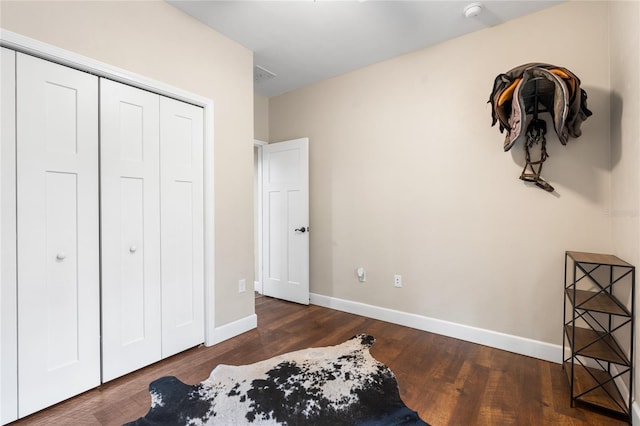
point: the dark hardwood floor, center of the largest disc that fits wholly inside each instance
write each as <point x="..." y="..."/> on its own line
<point x="447" y="381"/>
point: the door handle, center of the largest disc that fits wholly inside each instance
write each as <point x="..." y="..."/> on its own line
<point x="302" y="229"/>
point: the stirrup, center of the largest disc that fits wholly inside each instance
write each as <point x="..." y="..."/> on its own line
<point x="540" y="183"/>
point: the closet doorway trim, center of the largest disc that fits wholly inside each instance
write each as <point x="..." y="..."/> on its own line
<point x="55" y="54"/>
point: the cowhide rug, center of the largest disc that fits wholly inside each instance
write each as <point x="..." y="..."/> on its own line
<point x="334" y="385"/>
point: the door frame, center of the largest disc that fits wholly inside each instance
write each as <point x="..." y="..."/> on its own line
<point x="8" y="251"/>
<point x="257" y="211"/>
<point x="61" y="56"/>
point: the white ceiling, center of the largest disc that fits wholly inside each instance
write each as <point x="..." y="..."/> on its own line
<point x="304" y="41"/>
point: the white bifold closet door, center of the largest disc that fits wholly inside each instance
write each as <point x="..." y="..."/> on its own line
<point x="57" y="244"/>
<point x="182" y="222"/>
<point x="130" y="227"/>
<point x="152" y="227"/>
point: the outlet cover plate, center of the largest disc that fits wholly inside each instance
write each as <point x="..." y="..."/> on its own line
<point x="397" y="280"/>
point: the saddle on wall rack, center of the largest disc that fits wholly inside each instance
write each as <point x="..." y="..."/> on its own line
<point x="520" y="94"/>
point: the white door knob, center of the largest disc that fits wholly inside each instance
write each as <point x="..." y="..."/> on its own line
<point x="61" y="256"/>
<point x="133" y="249"/>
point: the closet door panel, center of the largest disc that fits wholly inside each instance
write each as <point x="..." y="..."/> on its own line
<point x="130" y="219"/>
<point x="181" y="154"/>
<point x="57" y="211"/>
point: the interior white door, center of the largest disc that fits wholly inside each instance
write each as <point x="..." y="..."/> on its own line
<point x="58" y="251"/>
<point x="285" y="220"/>
<point x="182" y="219"/>
<point x="130" y="228"/>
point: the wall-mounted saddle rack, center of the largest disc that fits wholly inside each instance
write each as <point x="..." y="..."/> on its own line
<point x="533" y="107"/>
<point x="518" y="98"/>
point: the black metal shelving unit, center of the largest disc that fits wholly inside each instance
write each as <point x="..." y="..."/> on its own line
<point x="598" y="331"/>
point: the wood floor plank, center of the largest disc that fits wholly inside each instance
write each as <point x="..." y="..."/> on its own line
<point x="449" y="382"/>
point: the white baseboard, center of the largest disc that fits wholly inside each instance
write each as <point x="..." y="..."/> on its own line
<point x="635" y="413"/>
<point x="233" y="329"/>
<point x="257" y="286"/>
<point x="516" y="344"/>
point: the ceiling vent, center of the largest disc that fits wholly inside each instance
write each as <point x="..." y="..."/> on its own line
<point x="261" y="75"/>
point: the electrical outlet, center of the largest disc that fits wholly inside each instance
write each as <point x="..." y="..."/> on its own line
<point x="242" y="286"/>
<point x="362" y="274"/>
<point x="397" y="280"/>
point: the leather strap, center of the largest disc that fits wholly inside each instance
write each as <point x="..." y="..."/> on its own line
<point x="536" y="132"/>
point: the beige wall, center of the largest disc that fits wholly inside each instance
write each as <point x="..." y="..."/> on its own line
<point x="407" y="177"/>
<point x="156" y="40"/>
<point x="624" y="24"/>
<point x="260" y="117"/>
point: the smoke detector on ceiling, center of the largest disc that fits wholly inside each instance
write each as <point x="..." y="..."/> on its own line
<point x="473" y="9"/>
<point x="261" y="74"/>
